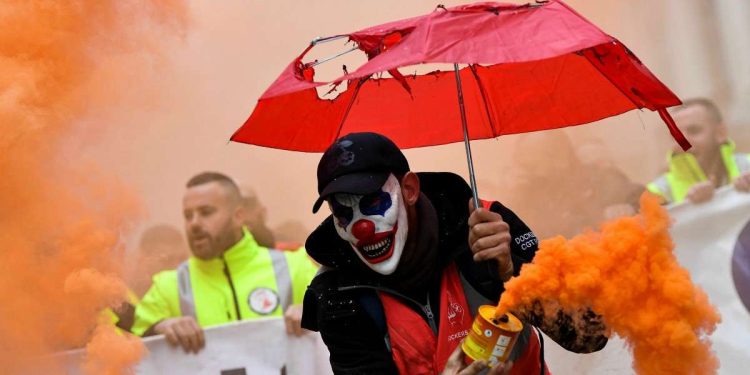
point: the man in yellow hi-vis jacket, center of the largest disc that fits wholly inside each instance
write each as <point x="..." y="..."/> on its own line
<point x="229" y="277"/>
<point x="712" y="162"/>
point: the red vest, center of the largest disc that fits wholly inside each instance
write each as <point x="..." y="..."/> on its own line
<point x="416" y="349"/>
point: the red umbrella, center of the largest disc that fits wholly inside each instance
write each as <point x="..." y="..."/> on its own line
<point x="529" y="67"/>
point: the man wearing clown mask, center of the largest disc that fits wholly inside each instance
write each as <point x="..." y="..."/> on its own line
<point x="407" y="260"/>
<point x="370" y="223"/>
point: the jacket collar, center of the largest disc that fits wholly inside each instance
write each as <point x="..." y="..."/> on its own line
<point x="239" y="253"/>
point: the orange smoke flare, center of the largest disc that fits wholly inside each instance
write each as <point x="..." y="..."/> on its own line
<point x="62" y="218"/>
<point x="628" y="274"/>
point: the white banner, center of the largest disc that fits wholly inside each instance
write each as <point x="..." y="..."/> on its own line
<point x="243" y="348"/>
<point x="712" y="240"/>
<point x="251" y="347"/>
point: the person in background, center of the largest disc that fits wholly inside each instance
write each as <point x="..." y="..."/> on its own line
<point x="620" y="196"/>
<point x="161" y="247"/>
<point x="229" y="276"/>
<point x="559" y="194"/>
<point x="290" y="235"/>
<point x="711" y="162"/>
<point x="255" y="217"/>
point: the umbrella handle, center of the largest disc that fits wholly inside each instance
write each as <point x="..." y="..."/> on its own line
<point x="467" y="145"/>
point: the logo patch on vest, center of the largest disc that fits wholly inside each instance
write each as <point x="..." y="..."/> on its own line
<point x="263" y="301"/>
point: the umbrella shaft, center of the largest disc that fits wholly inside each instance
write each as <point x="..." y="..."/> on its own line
<point x="461" y="108"/>
<point x="349" y="107"/>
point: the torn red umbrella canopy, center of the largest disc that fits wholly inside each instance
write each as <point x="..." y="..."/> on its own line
<point x="530" y="67"/>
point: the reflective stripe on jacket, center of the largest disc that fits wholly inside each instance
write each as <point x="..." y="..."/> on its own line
<point x="247" y="282"/>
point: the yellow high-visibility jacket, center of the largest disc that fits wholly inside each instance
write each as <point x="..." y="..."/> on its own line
<point x="684" y="172"/>
<point x="248" y="281"/>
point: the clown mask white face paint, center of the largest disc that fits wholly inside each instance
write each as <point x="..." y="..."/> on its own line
<point x="375" y="225"/>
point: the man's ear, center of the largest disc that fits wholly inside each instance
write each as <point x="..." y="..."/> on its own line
<point x="410" y="188"/>
<point x="721" y="134"/>
<point x="240" y="215"/>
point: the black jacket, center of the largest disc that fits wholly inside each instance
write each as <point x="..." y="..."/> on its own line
<point x="342" y="305"/>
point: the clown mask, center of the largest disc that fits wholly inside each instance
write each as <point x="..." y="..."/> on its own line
<point x="375" y="225"/>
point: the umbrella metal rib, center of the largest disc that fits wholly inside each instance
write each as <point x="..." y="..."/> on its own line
<point x="318" y="62"/>
<point x="461" y="108"/>
<point x="319" y="40"/>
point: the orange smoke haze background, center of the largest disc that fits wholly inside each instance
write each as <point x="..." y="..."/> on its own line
<point x="107" y="108"/>
<point x="63" y="213"/>
<point x="627" y="273"/>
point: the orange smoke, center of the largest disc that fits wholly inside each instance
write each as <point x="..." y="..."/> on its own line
<point x="628" y="274"/>
<point x="101" y="360"/>
<point x="62" y="216"/>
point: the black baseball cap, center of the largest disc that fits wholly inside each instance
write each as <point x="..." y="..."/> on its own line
<point x="358" y="163"/>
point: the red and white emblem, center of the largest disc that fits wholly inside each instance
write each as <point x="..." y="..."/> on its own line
<point x="263" y="301"/>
